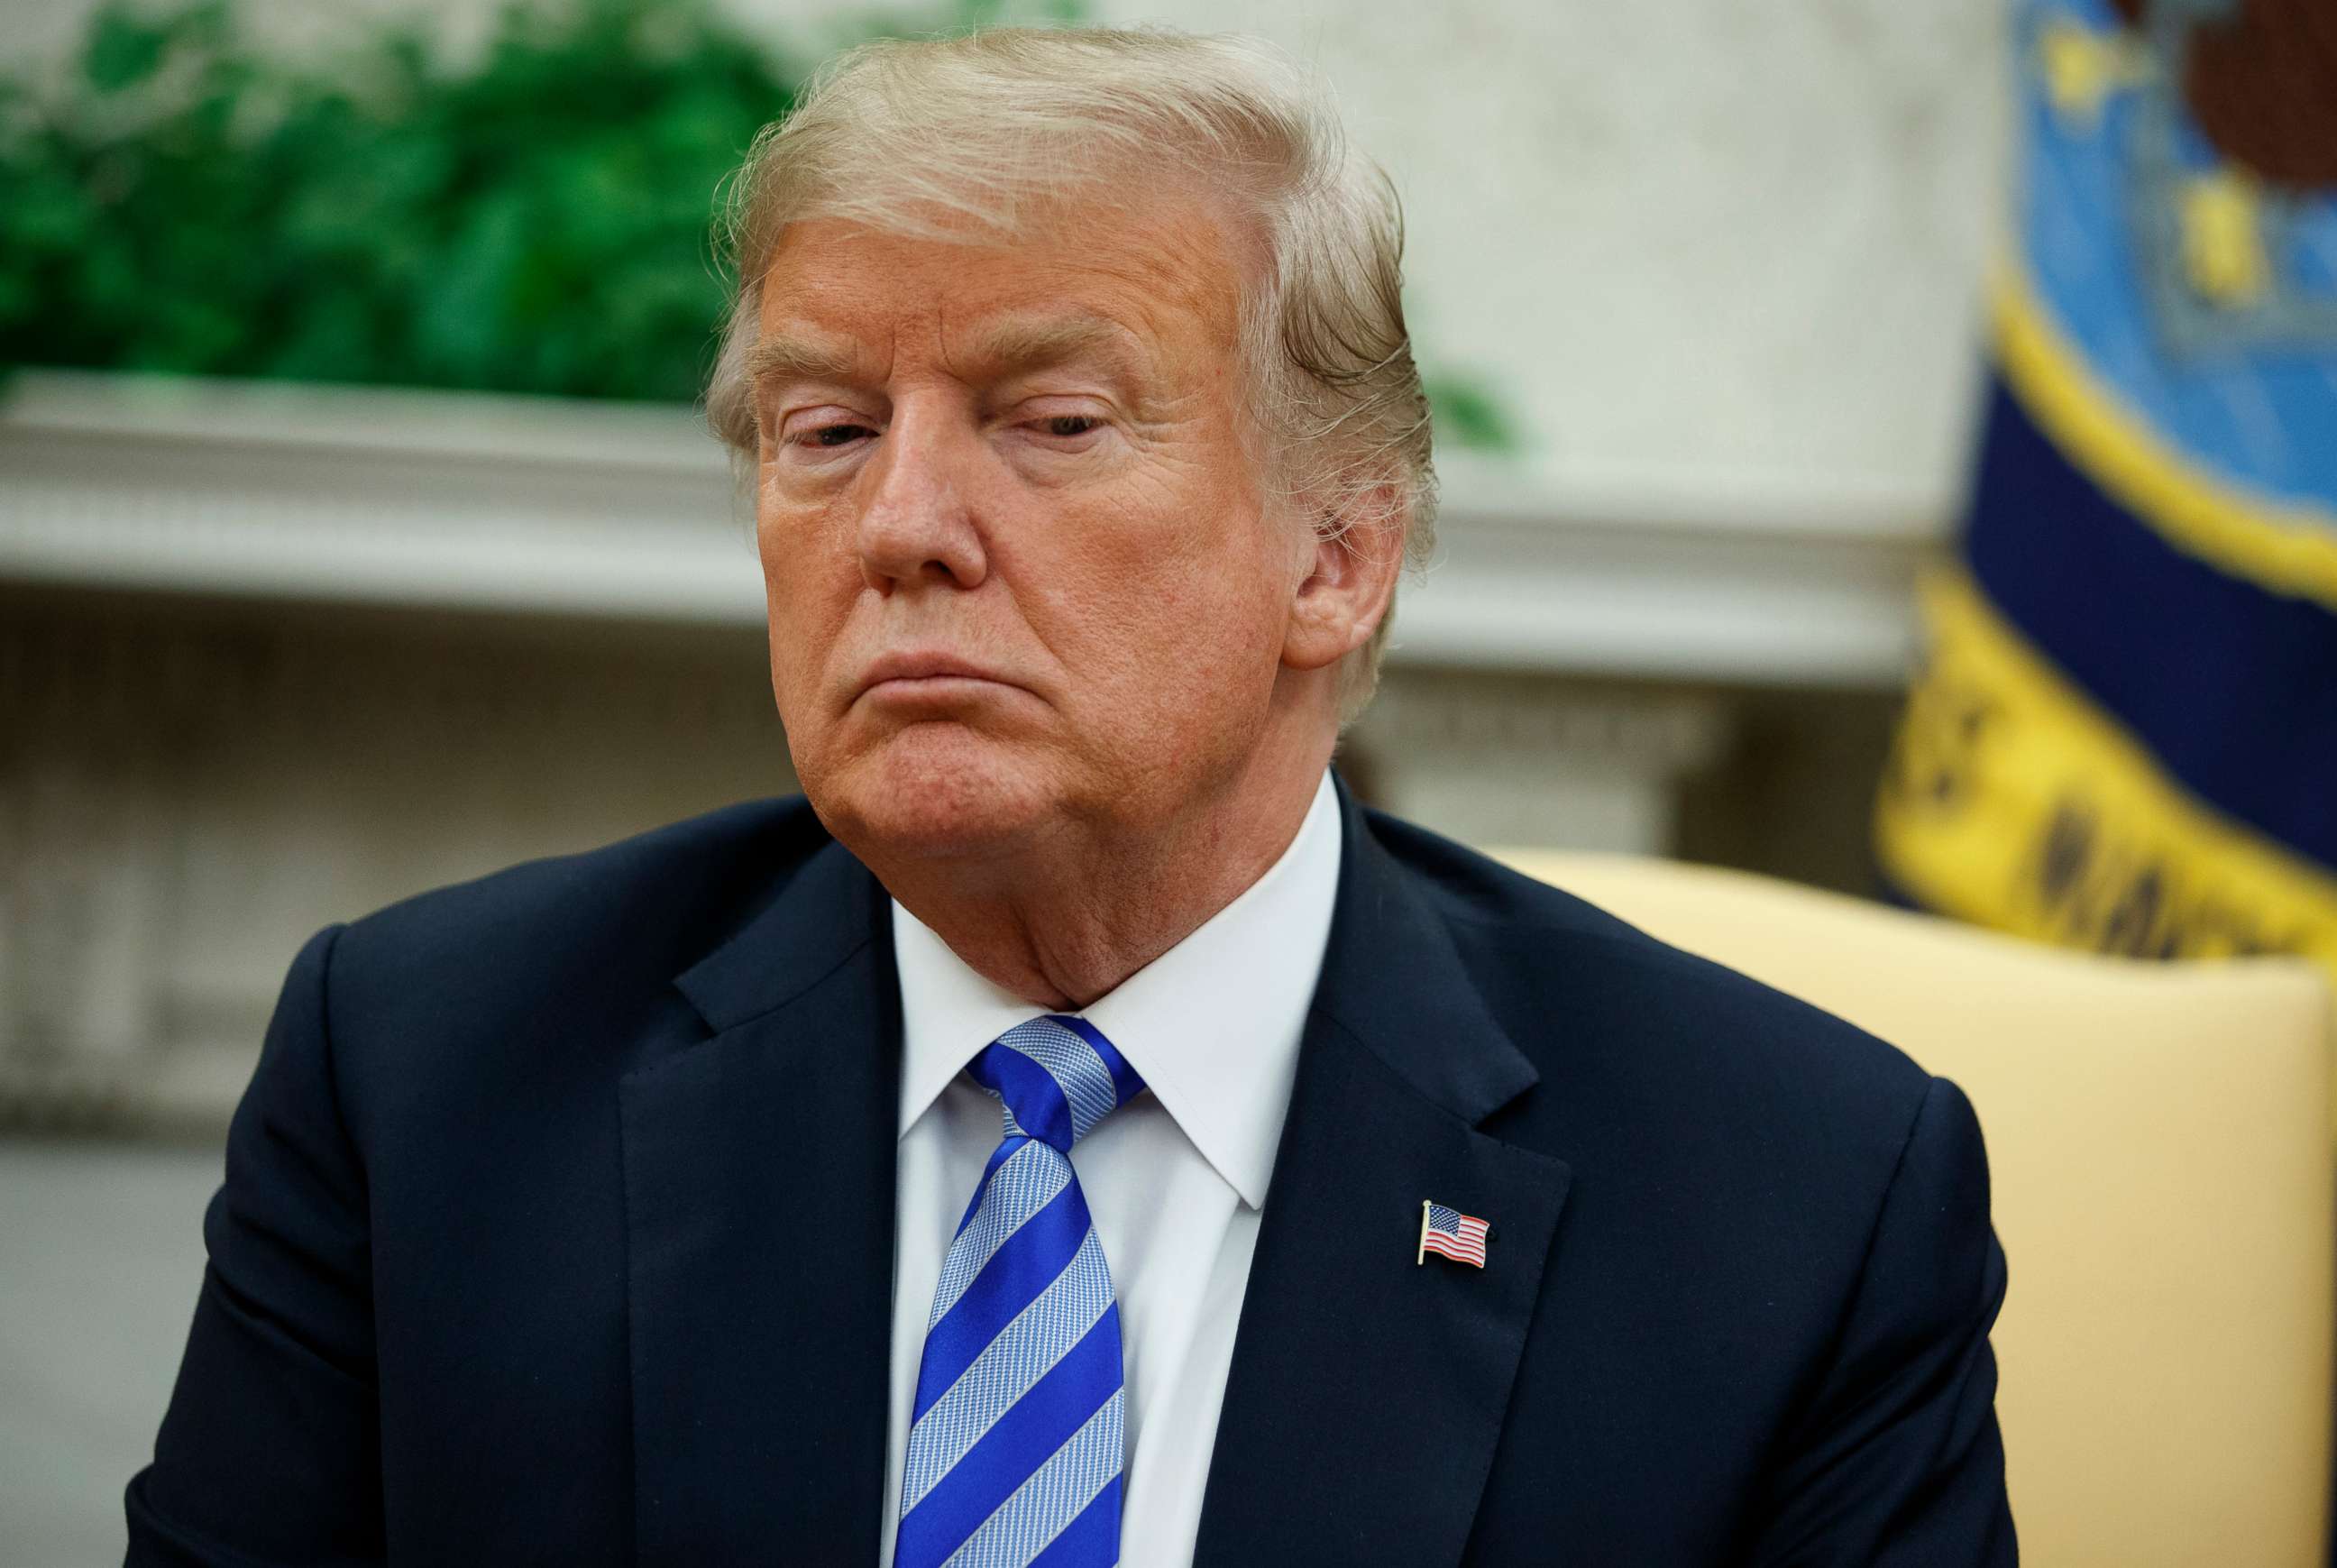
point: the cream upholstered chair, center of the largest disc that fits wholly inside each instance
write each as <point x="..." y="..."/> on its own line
<point x="2160" y="1152"/>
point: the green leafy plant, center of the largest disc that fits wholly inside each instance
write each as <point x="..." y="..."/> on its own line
<point x="534" y="220"/>
<point x="537" y="223"/>
<point x="1467" y="414"/>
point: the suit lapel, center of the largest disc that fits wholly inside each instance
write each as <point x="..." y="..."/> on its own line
<point x="1367" y="1392"/>
<point x="759" y="1189"/>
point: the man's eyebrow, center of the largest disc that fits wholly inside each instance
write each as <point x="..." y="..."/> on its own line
<point x="1039" y="342"/>
<point x="780" y="358"/>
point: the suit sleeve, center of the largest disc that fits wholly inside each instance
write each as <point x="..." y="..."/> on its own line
<point x="269" y="1452"/>
<point x="1897" y="1461"/>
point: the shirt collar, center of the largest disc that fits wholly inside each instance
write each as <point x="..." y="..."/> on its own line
<point x="1212" y="1024"/>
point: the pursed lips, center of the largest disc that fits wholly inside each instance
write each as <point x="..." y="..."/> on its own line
<point x="907" y="674"/>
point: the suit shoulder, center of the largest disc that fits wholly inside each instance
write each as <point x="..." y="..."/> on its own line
<point x="637" y="909"/>
<point x="1581" y="992"/>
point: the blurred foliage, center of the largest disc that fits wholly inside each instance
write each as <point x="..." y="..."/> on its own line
<point x="537" y="223"/>
<point x="1467" y="415"/>
<point x="536" y="220"/>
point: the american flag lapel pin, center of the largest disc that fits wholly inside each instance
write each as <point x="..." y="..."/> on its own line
<point x="1449" y="1233"/>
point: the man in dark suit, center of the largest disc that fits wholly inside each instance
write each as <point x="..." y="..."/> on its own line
<point x="1077" y="1132"/>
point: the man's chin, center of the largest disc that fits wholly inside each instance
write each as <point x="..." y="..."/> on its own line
<point x="933" y="791"/>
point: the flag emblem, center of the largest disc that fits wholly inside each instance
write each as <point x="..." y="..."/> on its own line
<point x="1453" y="1234"/>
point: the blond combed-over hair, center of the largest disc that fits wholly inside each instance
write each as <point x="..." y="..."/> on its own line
<point x="975" y="134"/>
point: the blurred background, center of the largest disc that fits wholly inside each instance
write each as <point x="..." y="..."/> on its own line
<point x="1889" y="447"/>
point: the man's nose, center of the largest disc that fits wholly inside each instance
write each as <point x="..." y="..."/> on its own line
<point x="916" y="528"/>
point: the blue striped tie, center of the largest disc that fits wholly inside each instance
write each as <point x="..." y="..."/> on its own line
<point x="1015" y="1444"/>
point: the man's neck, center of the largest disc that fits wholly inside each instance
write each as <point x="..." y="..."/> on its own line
<point x="1064" y="923"/>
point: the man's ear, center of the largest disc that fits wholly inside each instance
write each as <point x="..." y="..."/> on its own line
<point x="1350" y="579"/>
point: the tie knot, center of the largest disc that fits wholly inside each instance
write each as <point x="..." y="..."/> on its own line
<point x="1057" y="1076"/>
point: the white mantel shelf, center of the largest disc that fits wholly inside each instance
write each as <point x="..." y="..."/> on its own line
<point x="334" y="493"/>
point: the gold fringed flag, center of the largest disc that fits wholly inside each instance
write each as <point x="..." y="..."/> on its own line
<point x="2124" y="735"/>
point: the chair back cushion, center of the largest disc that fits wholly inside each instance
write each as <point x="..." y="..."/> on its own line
<point x="2160" y="1156"/>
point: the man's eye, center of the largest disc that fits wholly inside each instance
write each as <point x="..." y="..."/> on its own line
<point x="836" y="435"/>
<point x="1069" y="424"/>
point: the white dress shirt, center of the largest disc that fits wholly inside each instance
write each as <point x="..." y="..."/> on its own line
<point x="1175" y="1180"/>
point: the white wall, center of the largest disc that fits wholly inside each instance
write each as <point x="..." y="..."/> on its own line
<point x="1709" y="232"/>
<point x="1704" y="236"/>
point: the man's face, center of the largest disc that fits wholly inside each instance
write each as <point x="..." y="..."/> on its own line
<point x="1020" y="574"/>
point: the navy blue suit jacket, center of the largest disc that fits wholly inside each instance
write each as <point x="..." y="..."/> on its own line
<point x="558" y="1227"/>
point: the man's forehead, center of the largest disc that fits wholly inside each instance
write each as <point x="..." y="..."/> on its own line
<point x="819" y="346"/>
<point x="1093" y="281"/>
